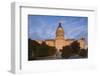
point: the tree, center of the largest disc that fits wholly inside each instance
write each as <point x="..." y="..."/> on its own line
<point x="75" y="47"/>
<point x="52" y="51"/>
<point x="42" y="50"/>
<point x="39" y="50"/>
<point x="47" y="50"/>
<point x="83" y="53"/>
<point x="31" y="49"/>
<point x="66" y="52"/>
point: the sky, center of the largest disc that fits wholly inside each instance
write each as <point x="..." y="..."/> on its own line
<point x="41" y="27"/>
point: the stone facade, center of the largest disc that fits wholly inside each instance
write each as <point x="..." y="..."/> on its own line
<point x="59" y="42"/>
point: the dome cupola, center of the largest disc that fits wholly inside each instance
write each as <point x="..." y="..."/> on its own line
<point x="60" y="31"/>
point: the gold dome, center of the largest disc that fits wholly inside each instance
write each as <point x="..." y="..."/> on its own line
<point x="59" y="31"/>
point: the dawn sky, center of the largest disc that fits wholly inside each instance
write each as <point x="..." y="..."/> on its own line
<point x="44" y="27"/>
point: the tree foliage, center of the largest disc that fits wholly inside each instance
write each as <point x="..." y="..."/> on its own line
<point x="84" y="53"/>
<point x="39" y="50"/>
<point x="43" y="50"/>
<point x="74" y="50"/>
<point x="66" y="52"/>
<point x="75" y="47"/>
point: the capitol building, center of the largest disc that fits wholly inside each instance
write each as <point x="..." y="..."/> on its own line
<point x="59" y="42"/>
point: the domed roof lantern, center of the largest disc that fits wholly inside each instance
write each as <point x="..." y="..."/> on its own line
<point x="60" y="25"/>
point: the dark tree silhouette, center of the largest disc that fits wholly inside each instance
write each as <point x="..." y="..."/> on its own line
<point x="71" y="51"/>
<point x="36" y="50"/>
<point x="52" y="51"/>
<point x="31" y="47"/>
<point x="66" y="52"/>
<point x="42" y="50"/>
<point x="83" y="53"/>
<point x="76" y="47"/>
